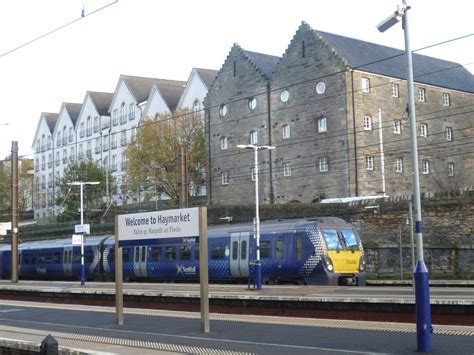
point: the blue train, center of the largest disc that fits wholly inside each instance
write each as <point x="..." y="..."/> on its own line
<point x="324" y="250"/>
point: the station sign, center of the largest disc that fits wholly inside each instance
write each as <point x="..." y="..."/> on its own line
<point x="82" y="228"/>
<point x="76" y="239"/>
<point x="159" y="224"/>
<point x="4" y="227"/>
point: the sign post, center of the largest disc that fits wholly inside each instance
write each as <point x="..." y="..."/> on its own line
<point x="148" y="227"/>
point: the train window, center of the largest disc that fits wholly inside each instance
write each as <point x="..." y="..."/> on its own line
<point x="349" y="238"/>
<point x="265" y="249"/>
<point x="243" y="250"/>
<point x="25" y="260"/>
<point x="217" y="251"/>
<point x="57" y="258"/>
<point x="137" y="254"/>
<point x="49" y="258"/>
<point x="185" y="252"/>
<point x="156" y="254"/>
<point x="77" y="257"/>
<point x="299" y="247"/>
<point x="143" y="254"/>
<point x="235" y="250"/>
<point x="125" y="254"/>
<point x="279" y="245"/>
<point x="41" y="258"/>
<point x="33" y="259"/>
<point x="332" y="239"/>
<point x="111" y="255"/>
<point x="88" y="257"/>
<point x="196" y="252"/>
<point x="170" y="253"/>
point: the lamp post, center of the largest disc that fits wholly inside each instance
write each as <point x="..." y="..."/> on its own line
<point x="256" y="148"/>
<point x="422" y="294"/>
<point x="81" y="184"/>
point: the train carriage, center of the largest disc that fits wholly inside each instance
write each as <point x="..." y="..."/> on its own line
<point x="323" y="250"/>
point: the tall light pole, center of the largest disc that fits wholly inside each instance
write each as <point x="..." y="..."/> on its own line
<point x="422" y="288"/>
<point x="256" y="148"/>
<point x="81" y="184"/>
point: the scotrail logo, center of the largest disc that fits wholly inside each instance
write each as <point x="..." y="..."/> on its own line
<point x="185" y="270"/>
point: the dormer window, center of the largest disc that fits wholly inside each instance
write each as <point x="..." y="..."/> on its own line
<point x="123" y="114"/>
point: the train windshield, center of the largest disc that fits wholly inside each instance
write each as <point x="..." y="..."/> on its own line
<point x="332" y="239"/>
<point x="340" y="239"/>
<point x="350" y="239"/>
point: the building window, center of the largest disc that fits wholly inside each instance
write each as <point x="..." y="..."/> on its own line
<point x="115" y="117"/>
<point x="395" y="90"/>
<point x="37" y="165"/>
<point x="223" y="110"/>
<point x="123" y="114"/>
<point x="421" y="95"/>
<point x="369" y="162"/>
<point x="64" y="156"/>
<point x="82" y="130"/>
<point x="81" y="152"/>
<point x="49" y="142"/>
<point x="58" y="159"/>
<point x="426" y="167"/>
<point x="114" y="163"/>
<point x="253" y="137"/>
<point x="399" y="165"/>
<point x="50" y="160"/>
<point x="113" y="141"/>
<point x="96" y="124"/>
<point x="449" y="133"/>
<point x="450" y="169"/>
<point x="131" y="111"/>
<point x="71" y="155"/>
<point x="252" y="103"/>
<point x="287" y="169"/>
<point x="323" y="165"/>
<point x="71" y="135"/>
<point x="58" y="141"/>
<point x="367" y="123"/>
<point x="446" y="99"/>
<point x="286" y="131"/>
<point x="397" y="126"/>
<point x="365" y="85"/>
<point x="89" y="126"/>
<point x="43" y="163"/>
<point x="322" y="125"/>
<point x="97" y="146"/>
<point x="123" y="138"/>
<point x="224" y="143"/>
<point x="423" y="130"/>
<point x="285" y="95"/>
<point x="105" y="144"/>
<point x="89" y="149"/>
<point x="252" y="173"/>
<point x="225" y="178"/>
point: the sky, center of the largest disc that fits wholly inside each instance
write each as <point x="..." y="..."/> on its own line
<point x="166" y="39"/>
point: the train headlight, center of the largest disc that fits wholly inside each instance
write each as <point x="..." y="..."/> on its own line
<point x="362" y="263"/>
<point x="328" y="263"/>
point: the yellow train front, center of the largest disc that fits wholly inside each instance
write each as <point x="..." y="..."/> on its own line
<point x="324" y="251"/>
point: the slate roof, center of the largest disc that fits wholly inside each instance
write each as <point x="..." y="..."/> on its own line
<point x="207" y="75"/>
<point x="264" y="62"/>
<point x="51" y="119"/>
<point x="371" y="57"/>
<point x="141" y="87"/>
<point x="171" y="94"/>
<point x="102" y="101"/>
<point x="73" y="109"/>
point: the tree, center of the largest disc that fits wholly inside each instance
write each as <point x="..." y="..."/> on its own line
<point x="93" y="195"/>
<point x="152" y="157"/>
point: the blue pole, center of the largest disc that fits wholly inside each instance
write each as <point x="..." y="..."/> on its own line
<point x="423" y="311"/>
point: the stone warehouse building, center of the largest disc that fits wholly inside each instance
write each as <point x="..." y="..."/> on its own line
<point x="335" y="109"/>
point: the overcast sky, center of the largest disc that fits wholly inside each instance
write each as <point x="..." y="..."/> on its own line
<point x="166" y="39"/>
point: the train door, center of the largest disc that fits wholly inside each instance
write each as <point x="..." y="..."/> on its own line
<point x="67" y="261"/>
<point x="239" y="255"/>
<point x="139" y="261"/>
